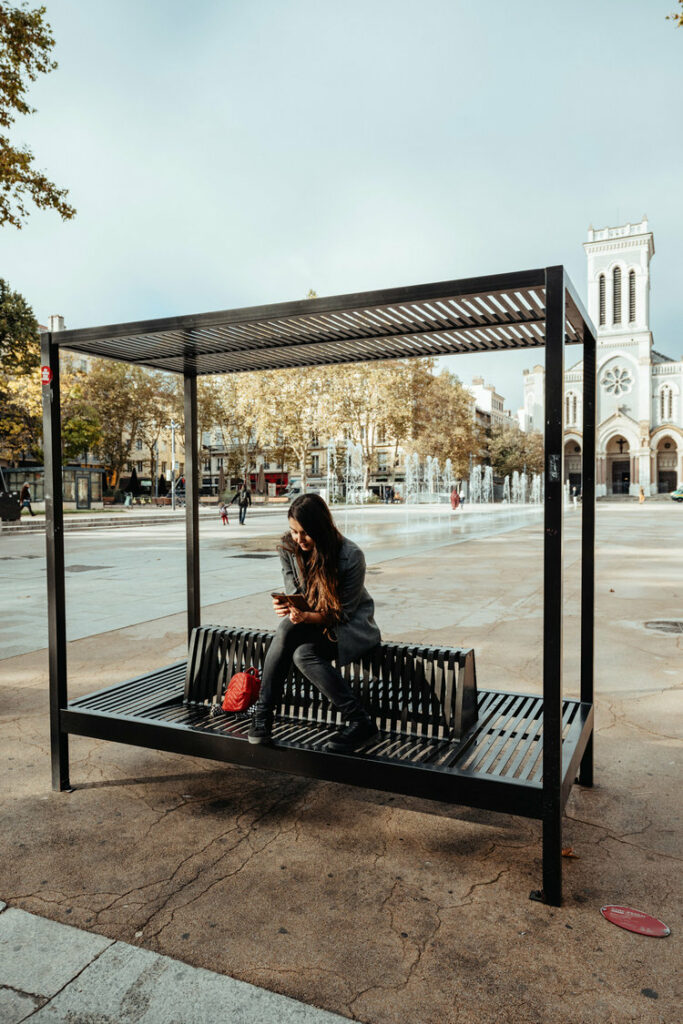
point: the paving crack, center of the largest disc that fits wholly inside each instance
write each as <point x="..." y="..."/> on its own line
<point x="54" y="995"/>
<point x="255" y="850"/>
<point x="622" y="839"/>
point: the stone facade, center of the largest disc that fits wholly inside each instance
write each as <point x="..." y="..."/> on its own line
<point x="640" y="414"/>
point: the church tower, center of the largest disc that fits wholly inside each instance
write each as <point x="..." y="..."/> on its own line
<point x="619" y="305"/>
<point x="619" y="280"/>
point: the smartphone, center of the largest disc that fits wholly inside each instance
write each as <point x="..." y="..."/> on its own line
<point x="293" y="600"/>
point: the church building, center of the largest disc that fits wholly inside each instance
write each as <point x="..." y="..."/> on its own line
<point x="640" y="412"/>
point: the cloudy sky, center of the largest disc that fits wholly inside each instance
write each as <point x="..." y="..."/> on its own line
<point x="231" y="152"/>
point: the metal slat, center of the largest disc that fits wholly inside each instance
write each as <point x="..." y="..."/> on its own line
<point x="514" y="719"/>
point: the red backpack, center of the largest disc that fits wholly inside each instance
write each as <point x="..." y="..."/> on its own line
<point x="243" y="690"/>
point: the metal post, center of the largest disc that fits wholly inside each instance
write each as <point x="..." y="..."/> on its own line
<point x="54" y="541"/>
<point x="588" y="540"/>
<point x="192" y="504"/>
<point x="552" y="587"/>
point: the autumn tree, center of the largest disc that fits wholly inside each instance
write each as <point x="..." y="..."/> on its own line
<point x="26" y="43"/>
<point x="240" y="401"/>
<point x="208" y="404"/>
<point x="677" y="16"/>
<point x="405" y="384"/>
<point x="512" y="450"/>
<point x="292" y="412"/>
<point x="445" y="426"/>
<point x="534" y="451"/>
<point x="115" y="392"/>
<point x="156" y="395"/>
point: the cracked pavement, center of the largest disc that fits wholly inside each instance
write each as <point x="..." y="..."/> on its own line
<point x="380" y="908"/>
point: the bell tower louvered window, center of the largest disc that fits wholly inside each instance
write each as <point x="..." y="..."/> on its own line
<point x="666" y="403"/>
<point x="601" y="287"/>
<point x="616" y="282"/>
<point x="571" y="409"/>
<point x="631" y="296"/>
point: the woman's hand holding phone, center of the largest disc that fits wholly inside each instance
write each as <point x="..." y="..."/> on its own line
<point x="280" y="605"/>
<point x="293" y="605"/>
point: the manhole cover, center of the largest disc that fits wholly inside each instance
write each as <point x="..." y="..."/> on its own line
<point x="84" y="568"/>
<point x="256" y="554"/>
<point x="665" y="626"/>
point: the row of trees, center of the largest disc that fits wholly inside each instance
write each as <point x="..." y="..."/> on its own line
<point x="107" y="410"/>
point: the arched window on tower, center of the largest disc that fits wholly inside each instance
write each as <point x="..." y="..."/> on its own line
<point x="631" y="296"/>
<point x="616" y="284"/>
<point x="666" y="402"/>
<point x="601" y="286"/>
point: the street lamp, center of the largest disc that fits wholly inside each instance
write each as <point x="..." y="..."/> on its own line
<point x="174" y="426"/>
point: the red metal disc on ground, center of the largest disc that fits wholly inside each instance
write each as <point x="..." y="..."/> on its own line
<point x="635" y="921"/>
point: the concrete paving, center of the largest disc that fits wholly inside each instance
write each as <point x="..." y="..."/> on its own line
<point x="55" y="974"/>
<point x="120" y="576"/>
<point x="376" y="908"/>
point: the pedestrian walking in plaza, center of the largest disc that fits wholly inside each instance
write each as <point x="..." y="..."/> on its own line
<point x="243" y="498"/>
<point x="332" y="620"/>
<point x="455" y="499"/>
<point x="224" y="514"/>
<point x="462" y="498"/>
<point x="641" y="495"/>
<point x="25" y="497"/>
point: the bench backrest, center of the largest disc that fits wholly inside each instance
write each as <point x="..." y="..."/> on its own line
<point x="409" y="689"/>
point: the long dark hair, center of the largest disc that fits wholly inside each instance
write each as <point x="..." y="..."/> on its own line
<point x="319" y="568"/>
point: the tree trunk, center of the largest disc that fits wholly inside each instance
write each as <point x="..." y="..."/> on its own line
<point x="301" y="455"/>
<point x="153" y="473"/>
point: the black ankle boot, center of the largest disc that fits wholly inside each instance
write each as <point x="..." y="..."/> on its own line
<point x="261" y="728"/>
<point x="352" y="736"/>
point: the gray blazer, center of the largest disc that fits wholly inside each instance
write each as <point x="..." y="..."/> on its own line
<point x="357" y="633"/>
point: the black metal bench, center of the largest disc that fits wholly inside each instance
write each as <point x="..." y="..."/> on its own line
<point x="440" y="737"/>
<point x="425" y="693"/>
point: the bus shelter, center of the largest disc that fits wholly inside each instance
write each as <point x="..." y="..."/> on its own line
<point x="527" y="309"/>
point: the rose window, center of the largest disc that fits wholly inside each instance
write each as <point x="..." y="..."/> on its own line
<point x="617" y="381"/>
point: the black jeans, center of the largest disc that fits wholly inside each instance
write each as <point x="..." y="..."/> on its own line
<point x="311" y="652"/>
<point x="243" y="512"/>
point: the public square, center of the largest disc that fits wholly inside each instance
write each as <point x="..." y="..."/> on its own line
<point x="373" y="907"/>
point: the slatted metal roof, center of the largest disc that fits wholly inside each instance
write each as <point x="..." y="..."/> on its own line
<point x="505" y="311"/>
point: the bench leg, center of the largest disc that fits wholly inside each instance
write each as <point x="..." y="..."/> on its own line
<point x="586" y="766"/>
<point x="59" y="748"/>
<point x="552" y="860"/>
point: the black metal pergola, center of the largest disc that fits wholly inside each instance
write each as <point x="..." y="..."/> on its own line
<point x="528" y="309"/>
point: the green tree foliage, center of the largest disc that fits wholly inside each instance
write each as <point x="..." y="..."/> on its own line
<point x="19" y="338"/>
<point x="25" y="44"/>
<point x="20" y="422"/>
<point x="81" y="424"/>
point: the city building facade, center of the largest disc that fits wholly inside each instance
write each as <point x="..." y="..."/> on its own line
<point x="640" y="418"/>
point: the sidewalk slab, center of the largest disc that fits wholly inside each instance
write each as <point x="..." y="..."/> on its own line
<point x="75" y="976"/>
<point x="38" y="956"/>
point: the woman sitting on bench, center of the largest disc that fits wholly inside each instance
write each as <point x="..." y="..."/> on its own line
<point x="332" y="619"/>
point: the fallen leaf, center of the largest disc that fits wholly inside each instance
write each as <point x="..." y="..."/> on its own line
<point x="569" y="852"/>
